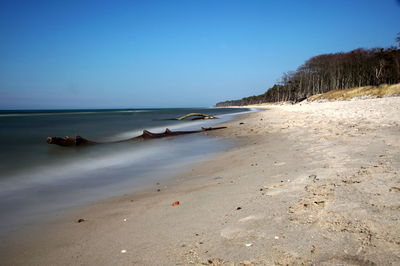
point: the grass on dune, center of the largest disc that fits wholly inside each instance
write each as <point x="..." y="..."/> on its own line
<point x="359" y="92"/>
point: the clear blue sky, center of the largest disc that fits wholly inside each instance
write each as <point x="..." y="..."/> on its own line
<point x="105" y="54"/>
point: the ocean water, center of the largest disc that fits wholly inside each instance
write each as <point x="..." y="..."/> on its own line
<point x="38" y="179"/>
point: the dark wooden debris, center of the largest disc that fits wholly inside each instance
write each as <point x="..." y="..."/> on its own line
<point x="68" y="141"/>
<point x="298" y="100"/>
<point x="195" y="116"/>
<point x="79" y="141"/>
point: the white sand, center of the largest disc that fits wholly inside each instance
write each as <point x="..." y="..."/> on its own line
<point x="311" y="183"/>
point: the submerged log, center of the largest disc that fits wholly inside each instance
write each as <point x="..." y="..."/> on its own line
<point x="67" y="141"/>
<point x="79" y="141"/>
<point x="167" y="133"/>
<point x="196" y="116"/>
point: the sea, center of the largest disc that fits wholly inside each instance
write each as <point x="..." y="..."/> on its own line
<point x="38" y="179"/>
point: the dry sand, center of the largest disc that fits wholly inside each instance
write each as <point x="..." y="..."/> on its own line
<point x="314" y="183"/>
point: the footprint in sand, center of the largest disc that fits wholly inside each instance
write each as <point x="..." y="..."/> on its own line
<point x="251" y="218"/>
<point x="233" y="233"/>
<point x="243" y="229"/>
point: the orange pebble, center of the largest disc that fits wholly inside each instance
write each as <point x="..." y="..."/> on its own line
<point x="176" y="203"/>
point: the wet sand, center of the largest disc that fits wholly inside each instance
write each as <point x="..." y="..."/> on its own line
<point x="311" y="183"/>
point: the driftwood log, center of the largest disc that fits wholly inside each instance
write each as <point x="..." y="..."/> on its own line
<point x="79" y="141"/>
<point x="299" y="100"/>
<point x="67" y="141"/>
<point x="196" y="116"/>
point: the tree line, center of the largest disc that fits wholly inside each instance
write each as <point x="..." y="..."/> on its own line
<point x="337" y="71"/>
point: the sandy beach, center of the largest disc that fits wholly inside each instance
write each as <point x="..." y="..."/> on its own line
<point x="311" y="183"/>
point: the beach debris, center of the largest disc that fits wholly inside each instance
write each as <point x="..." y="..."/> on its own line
<point x="175" y="203"/>
<point x="197" y="116"/>
<point x="349" y="181"/>
<point x="248" y="244"/>
<point x="313" y="249"/>
<point x="158" y="190"/>
<point x="215" y="261"/>
<point x="81" y="220"/>
<point x="313" y="177"/>
<point x="123" y="251"/>
<point x="241" y="123"/>
<point x="79" y="141"/>
<point x="167" y="133"/>
<point x="238" y="208"/>
<point x="276" y="237"/>
<point x="320" y="202"/>
<point x="68" y="141"/>
<point x="300" y="99"/>
<point x="125" y="220"/>
<point x="394" y="189"/>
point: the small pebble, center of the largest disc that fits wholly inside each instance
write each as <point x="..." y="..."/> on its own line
<point x="248" y="245"/>
<point x="81" y="220"/>
<point x="313" y="249"/>
<point x="123" y="251"/>
<point x="238" y="208"/>
<point x="276" y="237"/>
<point x="125" y="220"/>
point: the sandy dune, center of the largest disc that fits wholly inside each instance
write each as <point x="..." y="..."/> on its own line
<point x="314" y="183"/>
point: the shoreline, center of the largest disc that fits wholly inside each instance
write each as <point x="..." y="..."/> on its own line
<point x="315" y="183"/>
<point x="69" y="177"/>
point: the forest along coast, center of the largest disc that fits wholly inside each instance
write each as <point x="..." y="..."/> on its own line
<point x="311" y="183"/>
<point x="331" y="72"/>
